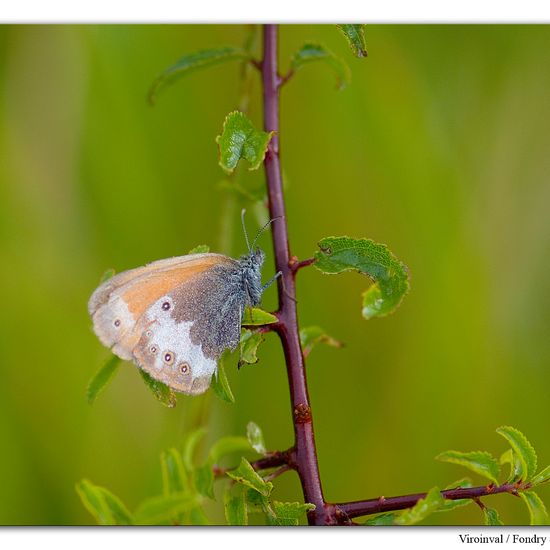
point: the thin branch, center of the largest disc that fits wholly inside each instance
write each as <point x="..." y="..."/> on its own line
<point x="271" y="460"/>
<point x="382" y="504"/>
<point x="296" y="265"/>
<point x="305" y="456"/>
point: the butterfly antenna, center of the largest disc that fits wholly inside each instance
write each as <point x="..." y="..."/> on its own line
<point x="243" y="212"/>
<point x="263" y="229"/>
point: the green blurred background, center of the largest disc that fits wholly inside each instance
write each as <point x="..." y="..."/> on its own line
<point x="439" y="148"/>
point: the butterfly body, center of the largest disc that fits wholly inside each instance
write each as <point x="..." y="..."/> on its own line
<point x="175" y="317"/>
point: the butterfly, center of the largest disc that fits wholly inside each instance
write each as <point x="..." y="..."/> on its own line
<point x="175" y="317"/>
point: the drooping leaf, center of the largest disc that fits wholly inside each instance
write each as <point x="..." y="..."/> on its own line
<point x="254" y="316"/>
<point x="387" y="518"/>
<point x="106" y="508"/>
<point x="246" y="475"/>
<point x="189" y="446"/>
<point x="338" y="254"/>
<point x="203" y="479"/>
<point x="162" y="509"/>
<point x="311" y="336"/>
<point x="287" y="513"/>
<point x="536" y="507"/>
<point x="200" y="249"/>
<point x="255" y="438"/>
<point x="174" y="475"/>
<point x="161" y="391"/>
<point x="101" y="378"/>
<point x="542" y="477"/>
<point x="480" y="462"/>
<point x="192" y="62"/>
<point x="240" y="140"/>
<point x="452" y="504"/>
<point x="422" y="509"/>
<point x="523" y="450"/>
<point x="491" y="517"/>
<point x="235" y="506"/>
<point x="250" y="341"/>
<point x="220" y="383"/>
<point x="355" y="35"/>
<point x="309" y="53"/>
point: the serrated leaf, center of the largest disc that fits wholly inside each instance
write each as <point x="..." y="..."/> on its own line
<point x="192" y="62"/>
<point x="161" y="391"/>
<point x="355" y="35"/>
<point x="480" y="462"/>
<point x="542" y="477"/>
<point x="220" y="383"/>
<point x="203" y="479"/>
<point x="422" y="509"/>
<point x="240" y="140"/>
<point x="255" y="500"/>
<point x="248" y="347"/>
<point x="200" y="249"/>
<point x="174" y="476"/>
<point x="101" y="378"/>
<point x="516" y="469"/>
<point x="309" y="53"/>
<point x="254" y="316"/>
<point x="105" y="507"/>
<point x="523" y="450"/>
<point x="338" y="254"/>
<point x="246" y="475"/>
<point x="452" y="504"/>
<point x="287" y="513"/>
<point x="162" y="509"/>
<point x="189" y="446"/>
<point x="255" y="438"/>
<point x="311" y="336"/>
<point x="387" y="518"/>
<point x="491" y="517"/>
<point x="235" y="506"/>
<point x="536" y="507"/>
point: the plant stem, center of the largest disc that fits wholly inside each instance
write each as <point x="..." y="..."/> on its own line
<point x="304" y="457"/>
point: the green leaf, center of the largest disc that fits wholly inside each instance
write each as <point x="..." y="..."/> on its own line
<point x="192" y="62"/>
<point x="254" y="316"/>
<point x="422" y="509"/>
<point x="542" y="477"/>
<point x="228" y="445"/>
<point x="523" y="449"/>
<point x="490" y="517"/>
<point x="203" y="478"/>
<point x="309" y="53"/>
<point x="536" y="507"/>
<point x="338" y="254"/>
<point x="248" y="346"/>
<point x="480" y="462"/>
<point x="189" y="447"/>
<point x="197" y="516"/>
<point x="106" y="508"/>
<point x="246" y="475"/>
<point x="220" y="383"/>
<point x="311" y="336"/>
<point x="161" y="391"/>
<point x="516" y="469"/>
<point x="102" y="377"/>
<point x="200" y="249"/>
<point x="387" y="518"/>
<point x="452" y="504"/>
<point x="235" y="506"/>
<point x="355" y="35"/>
<point x="239" y="139"/>
<point x="288" y="513"/>
<point x="162" y="509"/>
<point x="255" y="438"/>
<point x="174" y="476"/>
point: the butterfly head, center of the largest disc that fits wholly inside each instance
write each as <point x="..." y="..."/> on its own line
<point x="251" y="269"/>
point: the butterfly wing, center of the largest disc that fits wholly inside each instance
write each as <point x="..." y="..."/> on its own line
<point x="160" y="316"/>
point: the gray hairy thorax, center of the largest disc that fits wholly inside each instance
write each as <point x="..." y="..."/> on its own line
<point x="214" y="302"/>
